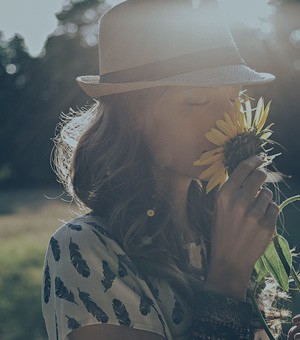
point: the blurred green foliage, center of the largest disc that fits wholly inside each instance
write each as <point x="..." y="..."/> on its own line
<point x="20" y="289"/>
<point x="27" y="219"/>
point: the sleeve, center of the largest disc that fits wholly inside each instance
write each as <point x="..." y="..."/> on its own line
<point x="88" y="279"/>
<point x="221" y="317"/>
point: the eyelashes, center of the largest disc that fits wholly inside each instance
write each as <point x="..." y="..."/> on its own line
<point x="206" y="102"/>
<point x="199" y="104"/>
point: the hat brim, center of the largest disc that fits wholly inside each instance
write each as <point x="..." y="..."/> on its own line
<point x="212" y="77"/>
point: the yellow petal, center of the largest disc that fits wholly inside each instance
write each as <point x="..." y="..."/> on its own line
<point x="223" y="179"/>
<point x="264" y="117"/>
<point x="208" y="160"/>
<point x="215" y="180"/>
<point x="258" y="112"/>
<point x="215" y="167"/>
<point x="241" y="121"/>
<point x="210" y="186"/>
<point x="208" y="154"/>
<point x="217" y="137"/>
<point x="266" y="135"/>
<point x="240" y="115"/>
<point x="248" y="111"/>
<point x="231" y="124"/>
<point x="238" y="105"/>
<point x="268" y="127"/>
<point x="223" y="127"/>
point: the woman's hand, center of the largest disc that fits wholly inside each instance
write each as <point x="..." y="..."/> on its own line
<point x="294" y="332"/>
<point x="244" y="224"/>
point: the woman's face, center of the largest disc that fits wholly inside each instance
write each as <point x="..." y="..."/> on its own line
<point x="174" y="126"/>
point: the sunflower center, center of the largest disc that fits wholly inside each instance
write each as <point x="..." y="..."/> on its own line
<point x="241" y="147"/>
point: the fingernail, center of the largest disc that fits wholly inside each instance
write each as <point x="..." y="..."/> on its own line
<point x="297" y="336"/>
<point x="261" y="157"/>
<point x="256" y="159"/>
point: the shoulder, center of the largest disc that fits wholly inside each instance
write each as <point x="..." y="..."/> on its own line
<point x="84" y="224"/>
<point x="88" y="231"/>
<point x="85" y="243"/>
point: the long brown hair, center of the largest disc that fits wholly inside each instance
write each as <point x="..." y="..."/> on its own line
<point x="103" y="162"/>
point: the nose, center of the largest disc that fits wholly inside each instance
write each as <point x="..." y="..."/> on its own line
<point x="225" y="104"/>
<point x="226" y="101"/>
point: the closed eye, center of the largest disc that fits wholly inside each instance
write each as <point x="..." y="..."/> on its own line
<point x="199" y="104"/>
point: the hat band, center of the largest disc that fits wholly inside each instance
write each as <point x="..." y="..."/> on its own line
<point x="179" y="65"/>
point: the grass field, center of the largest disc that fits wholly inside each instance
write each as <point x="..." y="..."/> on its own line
<point x="27" y="219"/>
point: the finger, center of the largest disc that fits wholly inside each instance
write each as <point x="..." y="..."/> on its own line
<point x="292" y="332"/>
<point x="296" y="319"/>
<point x="242" y="171"/>
<point x="261" y="203"/>
<point x="253" y="183"/>
<point x="271" y="214"/>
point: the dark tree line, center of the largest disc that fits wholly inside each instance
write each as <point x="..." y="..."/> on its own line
<point x="34" y="91"/>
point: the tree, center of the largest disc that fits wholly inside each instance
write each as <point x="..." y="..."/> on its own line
<point x="34" y="91"/>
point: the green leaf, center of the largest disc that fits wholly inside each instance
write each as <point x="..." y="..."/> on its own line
<point x="260" y="269"/>
<point x="277" y="259"/>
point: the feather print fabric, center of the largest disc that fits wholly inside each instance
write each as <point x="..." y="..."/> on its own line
<point x="89" y="279"/>
<point x="121" y="313"/>
<point x="72" y="323"/>
<point x="109" y="276"/>
<point x="47" y="284"/>
<point x="55" y="248"/>
<point x="62" y="291"/>
<point x="77" y="260"/>
<point x="92" y="307"/>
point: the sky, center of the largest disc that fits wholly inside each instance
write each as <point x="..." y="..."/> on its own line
<point x="35" y="19"/>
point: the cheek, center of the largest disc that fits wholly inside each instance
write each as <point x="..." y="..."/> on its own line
<point x="178" y="143"/>
<point x="178" y="149"/>
<point x="195" y="133"/>
<point x="157" y="141"/>
<point x="164" y="148"/>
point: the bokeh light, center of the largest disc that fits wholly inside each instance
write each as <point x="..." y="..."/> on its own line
<point x="253" y="14"/>
<point x="295" y="38"/>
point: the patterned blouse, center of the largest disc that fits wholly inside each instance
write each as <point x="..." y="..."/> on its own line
<point x="88" y="279"/>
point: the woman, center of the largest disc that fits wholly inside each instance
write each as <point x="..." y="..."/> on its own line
<point x="155" y="257"/>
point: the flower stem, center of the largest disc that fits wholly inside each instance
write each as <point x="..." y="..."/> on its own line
<point x="288" y="201"/>
<point x="262" y="319"/>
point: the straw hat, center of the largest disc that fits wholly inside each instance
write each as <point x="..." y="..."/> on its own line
<point x="150" y="43"/>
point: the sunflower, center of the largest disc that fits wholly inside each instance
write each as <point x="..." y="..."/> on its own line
<point x="236" y="139"/>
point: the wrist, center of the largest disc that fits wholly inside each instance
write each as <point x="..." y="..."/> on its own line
<point x="227" y="281"/>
